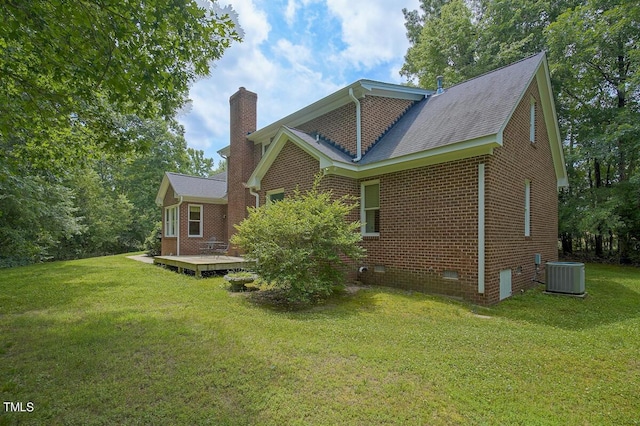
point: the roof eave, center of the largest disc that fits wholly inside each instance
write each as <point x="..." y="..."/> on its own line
<point x="452" y="152"/>
<point x="162" y="191"/>
<point x="204" y="200"/>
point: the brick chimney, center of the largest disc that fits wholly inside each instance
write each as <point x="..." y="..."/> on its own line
<point x="242" y="157"/>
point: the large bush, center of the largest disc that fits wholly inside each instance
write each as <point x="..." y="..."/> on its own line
<point x="300" y="244"/>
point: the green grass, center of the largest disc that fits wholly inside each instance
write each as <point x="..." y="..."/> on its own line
<point x="113" y="341"/>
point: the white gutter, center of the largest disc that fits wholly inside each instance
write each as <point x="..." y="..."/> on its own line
<point x="358" y="127"/>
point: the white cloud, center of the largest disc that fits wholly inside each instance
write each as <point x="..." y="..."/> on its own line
<point x="291" y="67"/>
<point x="297" y="55"/>
<point x="290" y="11"/>
<point x="373" y="30"/>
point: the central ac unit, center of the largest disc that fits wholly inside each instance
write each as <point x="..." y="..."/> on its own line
<point x="565" y="277"/>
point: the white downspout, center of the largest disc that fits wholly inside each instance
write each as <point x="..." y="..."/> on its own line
<point x="178" y="233"/>
<point x="481" y="227"/>
<point x="358" y="127"/>
<point x="255" y="194"/>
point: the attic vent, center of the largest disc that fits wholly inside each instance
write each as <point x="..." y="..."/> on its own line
<point x="450" y="275"/>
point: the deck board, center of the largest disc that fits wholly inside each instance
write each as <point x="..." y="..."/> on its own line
<point x="200" y="264"/>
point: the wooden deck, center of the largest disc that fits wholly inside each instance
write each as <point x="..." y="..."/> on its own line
<point x="200" y="264"/>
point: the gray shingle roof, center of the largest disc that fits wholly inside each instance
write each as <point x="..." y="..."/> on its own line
<point x="322" y="146"/>
<point x="469" y="110"/>
<point x="194" y="186"/>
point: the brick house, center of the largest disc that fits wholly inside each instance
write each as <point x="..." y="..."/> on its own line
<point x="457" y="187"/>
<point x="194" y="210"/>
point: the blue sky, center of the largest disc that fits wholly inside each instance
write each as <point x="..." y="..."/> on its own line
<point x="295" y="52"/>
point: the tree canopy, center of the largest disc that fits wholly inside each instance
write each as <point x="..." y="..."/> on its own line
<point x="70" y="69"/>
<point x="88" y="95"/>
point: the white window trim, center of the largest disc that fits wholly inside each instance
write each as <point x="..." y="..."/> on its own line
<point x="273" y="192"/>
<point x="167" y="220"/>
<point x="527" y="208"/>
<point x="199" y="220"/>
<point x="532" y="120"/>
<point x="363" y="215"/>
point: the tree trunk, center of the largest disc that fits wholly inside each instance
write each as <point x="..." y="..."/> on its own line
<point x="567" y="243"/>
<point x="598" y="183"/>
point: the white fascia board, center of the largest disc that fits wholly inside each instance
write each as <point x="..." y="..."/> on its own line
<point x="388" y="90"/>
<point x="204" y="200"/>
<point x="224" y="152"/>
<point x="164" y="186"/>
<point x="551" y="123"/>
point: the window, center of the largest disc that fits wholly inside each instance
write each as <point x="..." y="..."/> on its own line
<point x="532" y="121"/>
<point x="275" y="195"/>
<point x="171" y="221"/>
<point x="195" y="220"/>
<point x="370" y="208"/>
<point x="527" y="208"/>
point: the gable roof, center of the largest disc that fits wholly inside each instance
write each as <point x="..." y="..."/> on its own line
<point x="474" y="109"/>
<point x="467" y="120"/>
<point x="194" y="188"/>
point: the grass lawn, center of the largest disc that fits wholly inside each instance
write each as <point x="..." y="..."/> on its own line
<point x="114" y="341"/>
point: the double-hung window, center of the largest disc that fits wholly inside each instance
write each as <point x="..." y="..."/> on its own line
<point x="275" y="195"/>
<point x="195" y="220"/>
<point x="171" y="221"/>
<point x="527" y="208"/>
<point x="370" y="208"/>
<point x="532" y="120"/>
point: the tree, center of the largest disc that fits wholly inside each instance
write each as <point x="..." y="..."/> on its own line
<point x="444" y="45"/>
<point x="105" y="214"/>
<point x="300" y="244"/>
<point x="84" y="85"/>
<point x="595" y="58"/>
<point x="67" y="66"/>
<point x="35" y="214"/>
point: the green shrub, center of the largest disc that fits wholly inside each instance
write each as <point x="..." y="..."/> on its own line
<point x="153" y="243"/>
<point x="300" y="244"/>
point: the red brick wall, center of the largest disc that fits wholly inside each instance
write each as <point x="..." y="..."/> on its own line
<point x="428" y="225"/>
<point x="214" y="223"/>
<point x="242" y="157"/>
<point x="292" y="168"/>
<point x="339" y="125"/>
<point x="506" y="171"/>
<point x="169" y="244"/>
<point x="428" y="220"/>
<point x="378" y="114"/>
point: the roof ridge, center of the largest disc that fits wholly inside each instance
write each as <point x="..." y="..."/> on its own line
<point x="195" y="176"/>
<point x="484" y="74"/>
